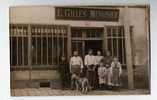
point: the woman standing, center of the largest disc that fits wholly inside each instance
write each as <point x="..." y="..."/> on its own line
<point x="107" y="62"/>
<point x="115" y="72"/>
<point x="64" y="73"/>
<point x="76" y="67"/>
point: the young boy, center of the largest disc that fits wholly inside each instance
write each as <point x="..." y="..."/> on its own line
<point x="102" y="76"/>
<point x="115" y="72"/>
<point x="64" y="73"/>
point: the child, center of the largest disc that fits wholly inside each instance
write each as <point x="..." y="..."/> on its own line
<point x="115" y="72"/>
<point x="102" y="76"/>
<point x="64" y="73"/>
<point x="98" y="58"/>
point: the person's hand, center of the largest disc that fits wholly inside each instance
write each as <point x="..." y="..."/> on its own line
<point x="81" y="70"/>
<point x="70" y="72"/>
<point x="94" y="68"/>
<point x="107" y="66"/>
<point x="119" y="74"/>
<point x="88" y="68"/>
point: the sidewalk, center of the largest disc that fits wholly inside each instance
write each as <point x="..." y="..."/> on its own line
<point x="54" y="92"/>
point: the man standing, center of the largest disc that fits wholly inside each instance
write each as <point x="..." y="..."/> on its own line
<point x="76" y="66"/>
<point x="90" y="64"/>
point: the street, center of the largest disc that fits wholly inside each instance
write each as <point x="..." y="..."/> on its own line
<point x="57" y="92"/>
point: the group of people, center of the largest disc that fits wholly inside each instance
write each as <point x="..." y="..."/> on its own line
<point x="102" y="72"/>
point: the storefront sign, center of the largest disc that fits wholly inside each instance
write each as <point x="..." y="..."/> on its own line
<point x="68" y="13"/>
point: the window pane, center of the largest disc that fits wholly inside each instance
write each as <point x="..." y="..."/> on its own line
<point x="46" y="47"/>
<point x="120" y="50"/>
<point x="19" y="51"/>
<point x="34" y="48"/>
<point x="55" y="50"/>
<point x="38" y="50"/>
<point x="116" y="42"/>
<point x="25" y="50"/>
<point x="14" y="51"/>
<point x="50" y="50"/>
<point x="44" y="50"/>
<point x="114" y="47"/>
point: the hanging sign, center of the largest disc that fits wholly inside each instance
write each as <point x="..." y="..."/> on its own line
<point x="92" y="14"/>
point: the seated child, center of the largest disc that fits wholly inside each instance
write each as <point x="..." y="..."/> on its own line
<point x="115" y="72"/>
<point x="102" y="76"/>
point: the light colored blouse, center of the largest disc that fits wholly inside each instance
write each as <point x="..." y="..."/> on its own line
<point x="89" y="60"/>
<point x="118" y="65"/>
<point x="76" y="60"/>
<point x="98" y="59"/>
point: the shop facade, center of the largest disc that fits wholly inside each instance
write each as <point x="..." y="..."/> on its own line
<point x="40" y="35"/>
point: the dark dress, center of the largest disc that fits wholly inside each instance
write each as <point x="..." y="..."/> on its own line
<point x="91" y="75"/>
<point x="107" y="61"/>
<point x="64" y="74"/>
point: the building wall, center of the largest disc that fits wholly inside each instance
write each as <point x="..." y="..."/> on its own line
<point x="138" y="18"/>
<point x="46" y="15"/>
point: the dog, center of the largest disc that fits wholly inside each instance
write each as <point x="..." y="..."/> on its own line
<point x="82" y="84"/>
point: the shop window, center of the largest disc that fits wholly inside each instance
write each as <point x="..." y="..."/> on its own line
<point x="116" y="42"/>
<point x="44" y="43"/>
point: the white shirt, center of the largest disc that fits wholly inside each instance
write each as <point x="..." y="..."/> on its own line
<point x="118" y="65"/>
<point x="98" y="59"/>
<point x="76" y="60"/>
<point x="89" y="60"/>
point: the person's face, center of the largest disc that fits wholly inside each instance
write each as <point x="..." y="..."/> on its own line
<point x="90" y="52"/>
<point x="75" y="53"/>
<point x="101" y="65"/>
<point x="108" y="53"/>
<point x="115" y="60"/>
<point x="98" y="53"/>
<point x="63" y="58"/>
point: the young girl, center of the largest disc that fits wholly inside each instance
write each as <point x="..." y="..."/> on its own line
<point x="115" y="72"/>
<point x="102" y="76"/>
<point x="98" y="58"/>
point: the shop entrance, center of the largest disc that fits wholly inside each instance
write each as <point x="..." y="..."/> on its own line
<point x="84" y="39"/>
<point x="94" y="45"/>
<point x="112" y="39"/>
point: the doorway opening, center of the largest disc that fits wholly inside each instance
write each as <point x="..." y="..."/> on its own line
<point x="84" y="39"/>
<point x="95" y="45"/>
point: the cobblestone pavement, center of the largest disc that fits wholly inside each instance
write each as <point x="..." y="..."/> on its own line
<point x="57" y="92"/>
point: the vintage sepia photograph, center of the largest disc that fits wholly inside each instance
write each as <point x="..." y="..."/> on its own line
<point x="79" y="50"/>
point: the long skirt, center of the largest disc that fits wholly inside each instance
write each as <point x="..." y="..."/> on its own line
<point x="75" y="69"/>
<point x="96" y="77"/>
<point x="108" y="77"/>
<point x="115" y="79"/>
